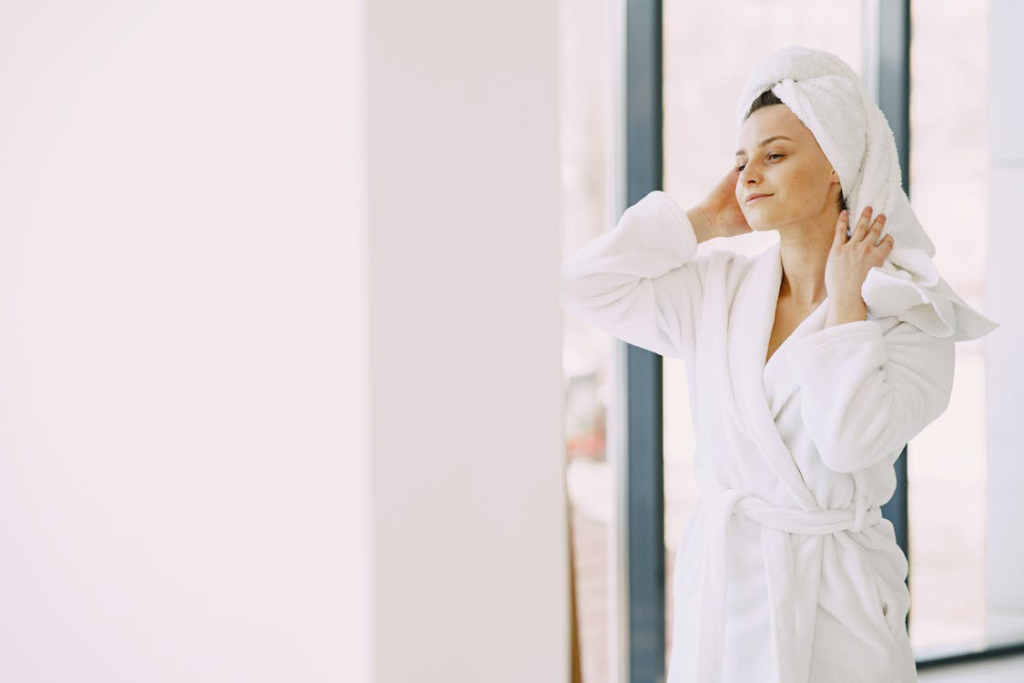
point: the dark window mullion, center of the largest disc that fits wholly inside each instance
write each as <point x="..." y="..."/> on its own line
<point x="891" y="79"/>
<point x="644" y="502"/>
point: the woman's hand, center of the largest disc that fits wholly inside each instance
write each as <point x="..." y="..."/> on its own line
<point x="851" y="259"/>
<point x="719" y="214"/>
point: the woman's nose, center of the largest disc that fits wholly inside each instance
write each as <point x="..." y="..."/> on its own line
<point x="749" y="174"/>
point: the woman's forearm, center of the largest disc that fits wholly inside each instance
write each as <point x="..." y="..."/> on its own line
<point x="840" y="312"/>
<point x="701" y="224"/>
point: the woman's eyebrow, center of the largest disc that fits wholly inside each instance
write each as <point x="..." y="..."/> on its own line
<point x="765" y="142"/>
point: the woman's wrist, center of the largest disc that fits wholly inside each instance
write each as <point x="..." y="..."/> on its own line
<point x="845" y="311"/>
<point x="701" y="225"/>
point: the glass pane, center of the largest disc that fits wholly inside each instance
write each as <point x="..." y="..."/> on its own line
<point x="587" y="353"/>
<point x="947" y="464"/>
<point x="709" y="49"/>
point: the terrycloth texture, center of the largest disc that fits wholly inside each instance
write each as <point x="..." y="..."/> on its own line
<point x="830" y="99"/>
<point x="786" y="571"/>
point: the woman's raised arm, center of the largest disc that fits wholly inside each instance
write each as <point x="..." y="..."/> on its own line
<point x="640" y="282"/>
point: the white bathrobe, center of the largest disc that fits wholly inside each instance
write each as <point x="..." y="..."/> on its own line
<point x="786" y="571"/>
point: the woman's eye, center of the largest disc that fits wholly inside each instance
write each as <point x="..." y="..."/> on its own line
<point x="770" y="156"/>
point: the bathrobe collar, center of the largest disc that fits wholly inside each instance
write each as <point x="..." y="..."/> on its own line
<point x="752" y="319"/>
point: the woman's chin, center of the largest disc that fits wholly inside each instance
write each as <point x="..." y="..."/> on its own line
<point x="760" y="222"/>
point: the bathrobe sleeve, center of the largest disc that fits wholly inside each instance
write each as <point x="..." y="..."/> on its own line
<point x="640" y="282"/>
<point x="865" y="394"/>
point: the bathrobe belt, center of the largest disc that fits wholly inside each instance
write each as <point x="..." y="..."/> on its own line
<point x="792" y="605"/>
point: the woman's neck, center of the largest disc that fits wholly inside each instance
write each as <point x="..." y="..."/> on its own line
<point x="804" y="249"/>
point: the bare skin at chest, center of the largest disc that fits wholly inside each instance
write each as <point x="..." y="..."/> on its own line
<point x="788" y="316"/>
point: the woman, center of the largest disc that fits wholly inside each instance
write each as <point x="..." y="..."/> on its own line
<point x="810" y="366"/>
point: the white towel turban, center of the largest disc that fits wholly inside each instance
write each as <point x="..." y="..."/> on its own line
<point x="830" y="99"/>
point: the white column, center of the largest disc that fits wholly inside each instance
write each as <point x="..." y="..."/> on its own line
<point x="280" y="384"/>
<point x="1004" y="363"/>
<point x="470" y="540"/>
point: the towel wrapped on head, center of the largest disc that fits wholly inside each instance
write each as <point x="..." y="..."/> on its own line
<point x="830" y="99"/>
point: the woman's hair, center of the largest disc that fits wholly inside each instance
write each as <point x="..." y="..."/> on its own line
<point x="768" y="98"/>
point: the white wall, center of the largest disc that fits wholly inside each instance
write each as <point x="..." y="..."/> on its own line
<point x="280" y="389"/>
<point x="470" y="561"/>
<point x="177" y="358"/>
<point x="1004" y="365"/>
<point x="349" y="655"/>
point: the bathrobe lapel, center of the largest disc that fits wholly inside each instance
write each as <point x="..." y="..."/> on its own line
<point x="752" y="318"/>
<point x="789" y="564"/>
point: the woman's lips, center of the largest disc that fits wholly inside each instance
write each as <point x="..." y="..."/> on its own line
<point x="756" y="197"/>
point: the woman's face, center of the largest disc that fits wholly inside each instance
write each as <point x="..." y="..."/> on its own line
<point x="792" y="170"/>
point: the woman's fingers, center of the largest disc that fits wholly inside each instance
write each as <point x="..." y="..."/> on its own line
<point x="841" y="224"/>
<point x="881" y="251"/>
<point x="875" y="230"/>
<point x="878" y="250"/>
<point x="866" y="232"/>
<point x="869" y="231"/>
<point x="862" y="226"/>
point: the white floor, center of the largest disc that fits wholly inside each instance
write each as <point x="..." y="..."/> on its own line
<point x="998" y="670"/>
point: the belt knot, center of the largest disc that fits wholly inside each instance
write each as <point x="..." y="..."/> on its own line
<point x="860" y="510"/>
